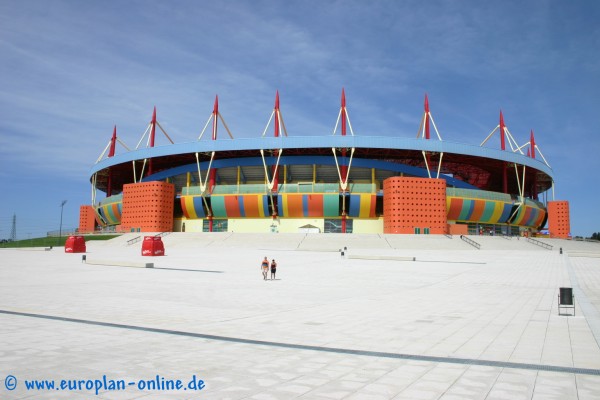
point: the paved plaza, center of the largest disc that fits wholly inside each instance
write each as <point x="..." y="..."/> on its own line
<point x="455" y="323"/>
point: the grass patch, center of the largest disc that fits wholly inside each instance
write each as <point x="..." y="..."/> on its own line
<point x="51" y="241"/>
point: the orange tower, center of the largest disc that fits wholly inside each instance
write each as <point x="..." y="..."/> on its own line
<point x="414" y="205"/>
<point x="559" y="222"/>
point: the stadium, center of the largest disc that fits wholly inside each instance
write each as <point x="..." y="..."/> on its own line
<point x="337" y="183"/>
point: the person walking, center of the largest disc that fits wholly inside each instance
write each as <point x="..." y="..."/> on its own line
<point x="265" y="267"/>
<point x="273" y="269"/>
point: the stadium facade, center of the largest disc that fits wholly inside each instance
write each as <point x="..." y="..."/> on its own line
<point x="336" y="183"/>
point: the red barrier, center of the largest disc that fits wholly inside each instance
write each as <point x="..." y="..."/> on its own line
<point x="153" y="246"/>
<point x="75" y="244"/>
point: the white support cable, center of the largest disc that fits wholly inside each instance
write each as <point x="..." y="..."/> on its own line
<point x="489" y="136"/>
<point x="435" y="127"/>
<point x="123" y="144"/>
<point x="508" y="138"/>
<point x="350" y="162"/>
<point x="205" y="125"/>
<point x="94" y="190"/>
<point x="344" y="182"/>
<point x="205" y="182"/>
<point x="426" y="163"/>
<point x="268" y="123"/>
<point x="349" y="123"/>
<point x="421" y="131"/>
<point x="270" y="182"/>
<point x="165" y="132"/>
<point x="282" y="124"/>
<point x="143" y="136"/>
<point x="103" y="152"/>
<point x="134" y="175"/>
<point x="212" y="157"/>
<point x="225" y="125"/>
<point x="143" y="168"/>
<point x="337" y="122"/>
<point x="518" y="180"/>
<point x="524" y="145"/>
<point x="513" y="145"/>
<point x="523" y="187"/>
<point x="207" y="207"/>
<point x="542" y="154"/>
<point x="262" y="154"/>
<point x="517" y="210"/>
<point x="440" y="166"/>
<point x="276" y="170"/>
<point x="199" y="175"/>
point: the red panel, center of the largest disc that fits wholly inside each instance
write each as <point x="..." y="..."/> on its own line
<point x="232" y="207"/>
<point x="455" y="208"/>
<point x="315" y="205"/>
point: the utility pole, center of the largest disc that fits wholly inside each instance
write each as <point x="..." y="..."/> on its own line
<point x="62" y="205"/>
<point x="13" y="231"/>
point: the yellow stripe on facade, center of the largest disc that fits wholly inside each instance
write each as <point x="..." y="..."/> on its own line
<point x="498" y="209"/>
<point x="365" y="205"/>
<point x="189" y="206"/>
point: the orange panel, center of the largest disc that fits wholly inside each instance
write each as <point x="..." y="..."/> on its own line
<point x="294" y="206"/>
<point x="87" y="219"/>
<point x="410" y="203"/>
<point x="148" y="206"/>
<point x="232" y="207"/>
<point x="478" y="209"/>
<point x="559" y="221"/>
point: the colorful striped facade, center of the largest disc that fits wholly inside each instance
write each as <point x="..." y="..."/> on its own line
<point x="465" y="207"/>
<point x="486" y="211"/>
<point x="110" y="210"/>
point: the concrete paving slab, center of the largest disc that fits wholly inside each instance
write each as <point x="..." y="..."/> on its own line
<point x="458" y="323"/>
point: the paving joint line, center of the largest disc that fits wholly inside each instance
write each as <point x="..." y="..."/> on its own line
<point x="336" y="350"/>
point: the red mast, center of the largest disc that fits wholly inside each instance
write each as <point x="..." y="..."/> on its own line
<point x="111" y="153"/>
<point x="503" y="147"/>
<point x="502" y="132"/>
<point x="213" y="171"/>
<point x="534" y="193"/>
<point x="212" y="177"/>
<point x="532" y="144"/>
<point x="152" y="135"/>
<point x="344" y="168"/>
<point x="275" y="168"/>
<point x="427" y="135"/>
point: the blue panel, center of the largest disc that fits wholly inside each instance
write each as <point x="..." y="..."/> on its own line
<point x="198" y="207"/>
<point x="505" y="213"/>
<point x="241" y="206"/>
<point x="354" y="205"/>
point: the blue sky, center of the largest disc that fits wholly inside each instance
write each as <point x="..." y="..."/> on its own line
<point x="71" y="70"/>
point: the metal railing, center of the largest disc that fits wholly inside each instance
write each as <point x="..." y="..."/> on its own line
<point x="470" y="241"/>
<point x="539" y="243"/>
<point x="162" y="234"/>
<point x="134" y="240"/>
<point x="299" y="187"/>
